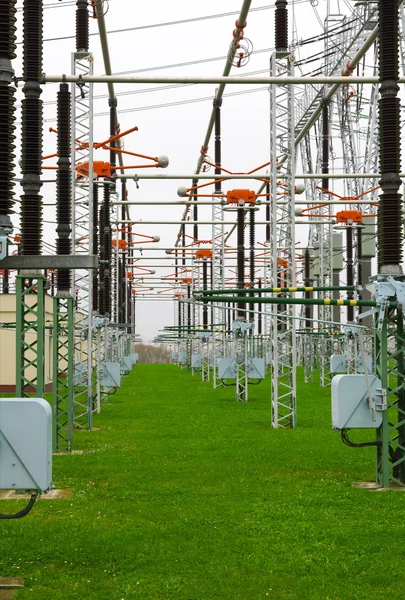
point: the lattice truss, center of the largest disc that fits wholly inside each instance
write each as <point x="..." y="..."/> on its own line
<point x="82" y="236"/>
<point x="282" y="242"/>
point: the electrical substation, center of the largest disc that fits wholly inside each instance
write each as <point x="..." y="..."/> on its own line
<point x="265" y="278"/>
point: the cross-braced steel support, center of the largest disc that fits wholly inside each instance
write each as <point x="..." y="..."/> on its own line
<point x="63" y="373"/>
<point x="283" y="352"/>
<point x="241" y="354"/>
<point x="30" y="336"/>
<point x="82" y="234"/>
<point x="389" y="357"/>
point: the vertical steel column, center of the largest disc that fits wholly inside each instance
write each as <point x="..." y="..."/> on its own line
<point x="218" y="239"/>
<point x="82" y="215"/>
<point x="241" y="326"/>
<point x="282" y="138"/>
<point x="30" y="336"/>
<point x="63" y="369"/>
<point x="324" y="238"/>
<point x="308" y="337"/>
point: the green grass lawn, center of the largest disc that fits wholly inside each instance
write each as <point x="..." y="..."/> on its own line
<point x="192" y="496"/>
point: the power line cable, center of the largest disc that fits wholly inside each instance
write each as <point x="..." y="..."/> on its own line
<point x="170" y="23"/>
<point x="171" y="104"/>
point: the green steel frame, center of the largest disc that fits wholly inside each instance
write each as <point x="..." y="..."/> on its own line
<point x="63" y="371"/>
<point x="83" y="381"/>
<point x="30" y="335"/>
<point x="389" y="356"/>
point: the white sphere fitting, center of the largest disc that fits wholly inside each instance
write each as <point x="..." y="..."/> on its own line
<point x="156" y="238"/>
<point x="163" y="161"/>
<point x="182" y="191"/>
<point x="300" y="188"/>
<point x="298" y="212"/>
<point x="152" y="272"/>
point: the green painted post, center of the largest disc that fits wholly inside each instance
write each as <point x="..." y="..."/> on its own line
<point x="400" y="350"/>
<point x="30" y="322"/>
<point x="19" y="386"/>
<point x="55" y="374"/>
<point x="63" y="370"/>
<point x="40" y="330"/>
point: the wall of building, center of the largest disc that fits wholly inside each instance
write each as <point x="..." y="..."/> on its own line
<point x="8" y="337"/>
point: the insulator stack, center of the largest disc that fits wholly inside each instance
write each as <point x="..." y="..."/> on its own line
<point x="360" y="263"/>
<point x="195" y="210"/>
<point x="7" y="29"/>
<point x="260" y="311"/>
<point x="390" y="232"/>
<point x="179" y="314"/>
<point x="31" y="136"/>
<point x="7" y="155"/>
<point x="183" y="243"/>
<point x="101" y="296"/>
<point x="33" y="47"/>
<point x="82" y="26"/>
<point x="325" y="146"/>
<point x="121" y="291"/>
<point x="95" y="248"/>
<point x="205" y="287"/>
<point x="7" y="110"/>
<point x="189" y="308"/>
<point x="107" y="250"/>
<point x="252" y="231"/>
<point x="218" y="154"/>
<point x="349" y="270"/>
<point x="281" y="23"/>
<point x="307" y="283"/>
<point x="63" y="186"/>
<point x="240" y="258"/>
<point x="123" y="285"/>
<point x="130" y="282"/>
<point x="113" y="131"/>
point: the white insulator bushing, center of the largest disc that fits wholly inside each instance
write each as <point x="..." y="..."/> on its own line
<point x="163" y="161"/>
<point x="152" y="272"/>
<point x="298" y="212"/>
<point x="156" y="238"/>
<point x="168" y="251"/>
<point x="182" y="191"/>
<point x="299" y="188"/>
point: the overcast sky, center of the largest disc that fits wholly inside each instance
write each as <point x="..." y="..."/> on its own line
<point x="176" y="130"/>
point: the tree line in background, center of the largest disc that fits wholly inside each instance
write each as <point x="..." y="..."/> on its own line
<point x="152" y="355"/>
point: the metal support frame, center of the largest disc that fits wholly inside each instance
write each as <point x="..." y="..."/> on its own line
<point x="30" y="335"/>
<point x="241" y="355"/>
<point x="218" y="243"/>
<point x="205" y="356"/>
<point x="282" y="243"/>
<point x="63" y="373"/>
<point x="389" y="357"/>
<point x="82" y="231"/>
